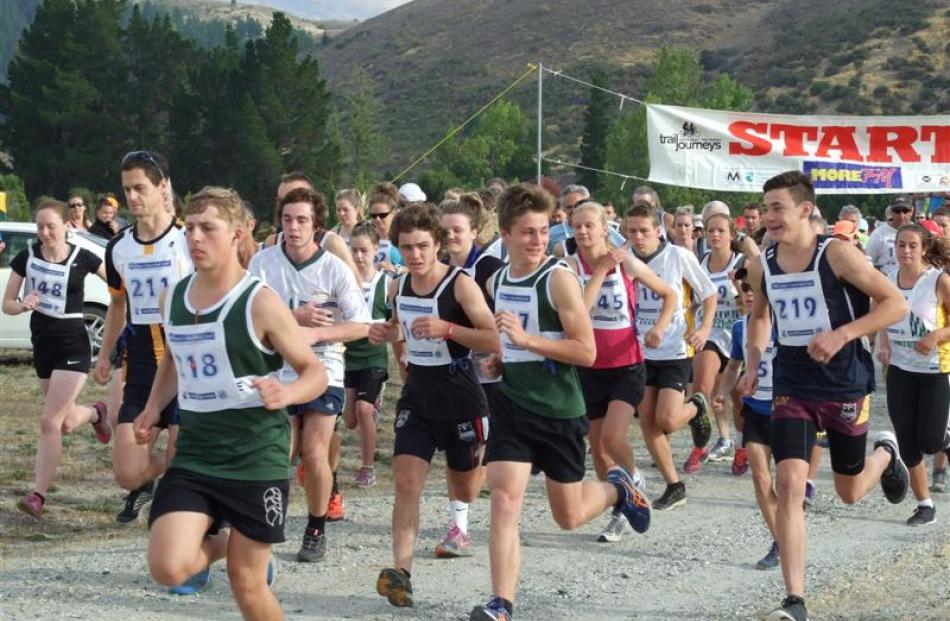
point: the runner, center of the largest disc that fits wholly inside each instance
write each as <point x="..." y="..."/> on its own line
<point x="227" y="335"/>
<point x="916" y="351"/>
<point x="442" y="315"/>
<point x="819" y="290"/>
<point x="141" y="262"/>
<point x="682" y="231"/>
<point x="708" y="364"/>
<point x="366" y="365"/>
<point x="539" y="419"/>
<point x="756" y="410"/>
<point x="327" y="301"/>
<point x="614" y="385"/>
<point x="662" y="410"/>
<point x="52" y="273"/>
<point x="461" y="220"/>
<point x="349" y="213"/>
<point x="880" y="246"/>
<point x="383" y="205"/>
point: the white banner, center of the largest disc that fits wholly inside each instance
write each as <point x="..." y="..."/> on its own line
<point x="739" y="151"/>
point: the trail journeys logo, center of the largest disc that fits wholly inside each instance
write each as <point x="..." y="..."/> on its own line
<point x="689" y="139"/>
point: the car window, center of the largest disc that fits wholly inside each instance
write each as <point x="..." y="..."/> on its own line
<point x="16" y="242"/>
<point x="99" y="241"/>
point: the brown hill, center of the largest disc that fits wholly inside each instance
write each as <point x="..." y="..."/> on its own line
<point x="436" y="61"/>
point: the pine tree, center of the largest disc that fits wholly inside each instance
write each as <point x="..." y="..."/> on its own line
<point x="365" y="142"/>
<point x="597" y="119"/>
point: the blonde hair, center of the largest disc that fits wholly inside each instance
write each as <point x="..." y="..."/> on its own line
<point x="231" y="208"/>
<point x="598" y="210"/>
<point x="354" y="197"/>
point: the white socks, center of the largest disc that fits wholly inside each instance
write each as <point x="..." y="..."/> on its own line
<point x="928" y="502"/>
<point x="458" y="514"/>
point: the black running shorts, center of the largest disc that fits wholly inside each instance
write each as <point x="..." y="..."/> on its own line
<point x="69" y="352"/>
<point x="755" y="427"/>
<point x="554" y="446"/>
<point x="601" y="386"/>
<point x="257" y="509"/>
<point x="134" y="397"/>
<point x="675" y="374"/>
<point x="422" y="437"/>
<point x="366" y="383"/>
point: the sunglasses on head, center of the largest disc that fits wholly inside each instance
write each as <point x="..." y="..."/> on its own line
<point x="142" y="157"/>
<point x="380" y="215"/>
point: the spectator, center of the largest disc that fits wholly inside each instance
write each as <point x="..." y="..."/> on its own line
<point x="77" y="214"/>
<point x="881" y="243"/>
<point x="752" y="213"/>
<point x="106" y="225"/>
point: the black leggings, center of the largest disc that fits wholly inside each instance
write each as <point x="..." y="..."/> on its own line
<point x="918" y="404"/>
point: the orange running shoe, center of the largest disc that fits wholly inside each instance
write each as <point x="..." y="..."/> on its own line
<point x="740" y="462"/>
<point x="335" y="511"/>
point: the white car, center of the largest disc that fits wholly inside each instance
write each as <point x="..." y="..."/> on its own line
<point x="15" y="329"/>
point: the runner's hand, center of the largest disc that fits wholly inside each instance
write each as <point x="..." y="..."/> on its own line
<point x="144" y="426"/>
<point x="381" y="332"/>
<point x="884" y="354"/>
<point x="747" y="384"/>
<point x="429" y="328"/>
<point x="926" y="345"/>
<point x="718" y="402"/>
<point x="310" y="315"/>
<point x="824" y="345"/>
<point x="491" y="366"/>
<point x="103" y="371"/>
<point x="653" y="338"/>
<point x="273" y="392"/>
<point x="697" y="339"/>
<point x="510" y="325"/>
<point x="609" y="261"/>
<point x="29" y="302"/>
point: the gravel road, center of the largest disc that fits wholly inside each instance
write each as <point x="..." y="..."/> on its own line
<point x="696" y="562"/>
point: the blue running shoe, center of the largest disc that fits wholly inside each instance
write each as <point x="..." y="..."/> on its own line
<point x="494" y="610"/>
<point x="770" y="560"/>
<point x="194" y="585"/>
<point x="272" y="571"/>
<point x="635" y="506"/>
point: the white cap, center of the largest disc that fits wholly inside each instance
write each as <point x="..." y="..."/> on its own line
<point x="412" y="193"/>
<point x="715" y="208"/>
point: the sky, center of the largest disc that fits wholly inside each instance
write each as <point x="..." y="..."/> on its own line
<point x="329" y="9"/>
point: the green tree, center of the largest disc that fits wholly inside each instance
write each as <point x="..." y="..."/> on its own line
<point x="676" y="78"/>
<point x="18" y="207"/>
<point x="597" y="118"/>
<point x="365" y="142"/>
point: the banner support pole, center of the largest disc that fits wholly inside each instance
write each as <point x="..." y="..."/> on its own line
<point x="540" y="124"/>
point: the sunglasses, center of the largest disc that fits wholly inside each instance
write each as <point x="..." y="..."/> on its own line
<point x="143" y="157"/>
<point x="901" y="210"/>
<point x="75" y="205"/>
<point x="380" y="215"/>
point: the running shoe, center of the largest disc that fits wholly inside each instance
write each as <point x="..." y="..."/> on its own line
<point x="494" y="610"/>
<point x="700" y="425"/>
<point x="613" y="532"/>
<point x="103" y="432"/>
<point x="673" y="496"/>
<point x="694" y="462"/>
<point x="939" y="484"/>
<point x="770" y="560"/>
<point x="194" y="585"/>
<point x="635" y="506"/>
<point x="134" y="501"/>
<point x="31" y="504"/>
<point x="335" y="510"/>
<point x="455" y="545"/>
<point x="740" y="462"/>
<point x="810" y="492"/>
<point x="722" y="450"/>
<point x="394" y="585"/>
<point x="365" y="477"/>
<point x="314" y="546"/>
<point x="895" y="479"/>
<point x="271" y="571"/>
<point x="923" y="516"/>
<point x="792" y="609"/>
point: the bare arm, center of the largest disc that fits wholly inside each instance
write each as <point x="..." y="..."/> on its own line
<point x="639" y="271"/>
<point x="335" y="244"/>
<point x="483" y="337"/>
<point x="934" y="338"/>
<point x="889" y="306"/>
<point x="758" y="330"/>
<point x="114" y="324"/>
<point x="11" y="305"/>
<point x="727" y="383"/>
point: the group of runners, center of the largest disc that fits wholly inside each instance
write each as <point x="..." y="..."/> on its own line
<point x="522" y="345"/>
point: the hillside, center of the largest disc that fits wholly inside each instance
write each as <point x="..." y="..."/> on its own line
<point x="436" y="61"/>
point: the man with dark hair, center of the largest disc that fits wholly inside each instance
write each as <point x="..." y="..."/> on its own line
<point x="818" y="289"/>
<point x="753" y="220"/>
